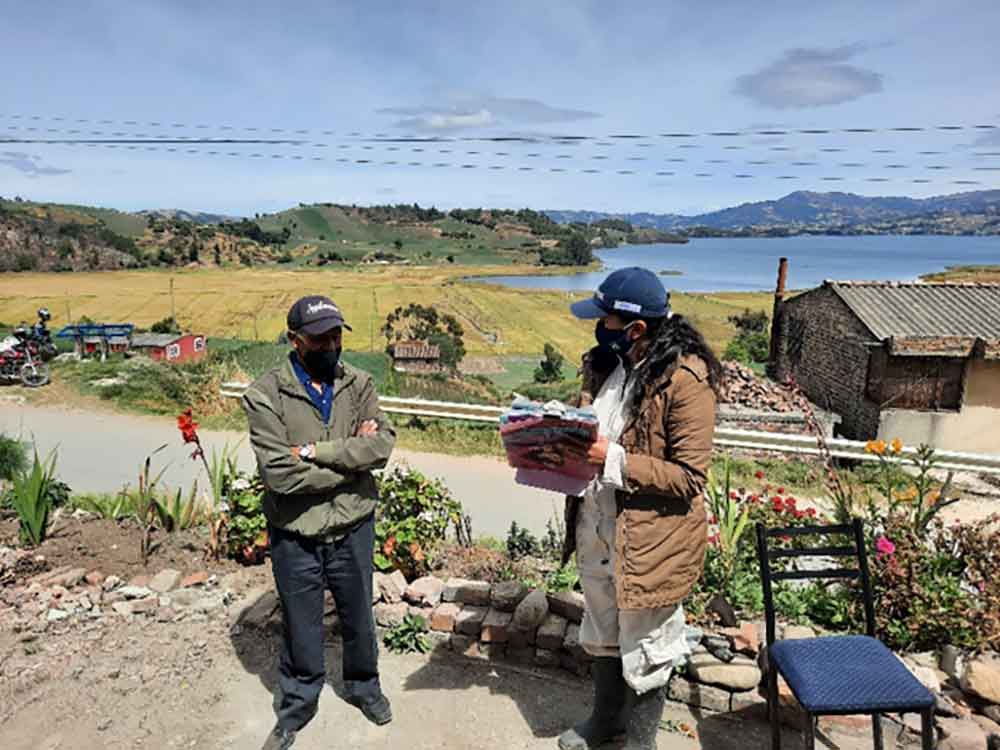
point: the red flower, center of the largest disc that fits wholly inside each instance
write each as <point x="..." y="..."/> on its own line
<point x="755" y="499"/>
<point x="713" y="520"/>
<point x="777" y="504"/>
<point x="759" y="475"/>
<point x="713" y="540"/>
<point x="811" y="512"/>
<point x="188" y="427"/>
<point x="781" y="490"/>
<point x="790" y="502"/>
<point x="734" y="495"/>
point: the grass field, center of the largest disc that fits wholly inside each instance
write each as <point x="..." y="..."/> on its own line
<point x="334" y="229"/>
<point x="252" y="304"/>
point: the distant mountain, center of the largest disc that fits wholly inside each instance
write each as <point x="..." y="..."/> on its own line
<point x="195" y="217"/>
<point x="809" y="209"/>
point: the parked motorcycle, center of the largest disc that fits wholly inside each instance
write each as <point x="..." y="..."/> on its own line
<point x="23" y="356"/>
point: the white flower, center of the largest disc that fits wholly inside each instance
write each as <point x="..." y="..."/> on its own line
<point x="241" y="484"/>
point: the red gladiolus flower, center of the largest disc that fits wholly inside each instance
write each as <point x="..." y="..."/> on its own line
<point x="790" y="502"/>
<point x="187" y="426"/>
<point x="777" y="504"/>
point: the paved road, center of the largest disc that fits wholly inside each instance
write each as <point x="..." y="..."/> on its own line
<point x="101" y="451"/>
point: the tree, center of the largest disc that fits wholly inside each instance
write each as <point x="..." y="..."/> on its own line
<point x="398" y="244"/>
<point x="167" y="325"/>
<point x="573" y="250"/>
<point x="752" y="343"/>
<point x="194" y="254"/>
<point x="426" y="324"/>
<point x="549" y="370"/>
<point x="217" y="255"/>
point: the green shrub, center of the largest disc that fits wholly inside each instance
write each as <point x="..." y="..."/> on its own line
<point x="411" y="520"/>
<point x="408" y="637"/>
<point x="246" y="532"/>
<point x="31" y="497"/>
<point x="13" y="457"/>
<point x="520" y="543"/>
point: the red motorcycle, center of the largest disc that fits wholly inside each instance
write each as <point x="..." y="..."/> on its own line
<point x="21" y="359"/>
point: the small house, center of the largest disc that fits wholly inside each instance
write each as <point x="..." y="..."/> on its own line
<point x="170" y="347"/>
<point x="917" y="361"/>
<point x="416" y="357"/>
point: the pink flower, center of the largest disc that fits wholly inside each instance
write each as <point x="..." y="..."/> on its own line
<point x="884" y="546"/>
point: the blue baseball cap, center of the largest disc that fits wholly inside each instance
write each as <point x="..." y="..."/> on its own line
<point x="636" y="292"/>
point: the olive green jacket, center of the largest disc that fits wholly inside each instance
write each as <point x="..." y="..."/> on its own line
<point x="322" y="498"/>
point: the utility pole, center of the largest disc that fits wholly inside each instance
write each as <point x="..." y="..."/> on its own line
<point x="173" y="307"/>
<point x="371" y="340"/>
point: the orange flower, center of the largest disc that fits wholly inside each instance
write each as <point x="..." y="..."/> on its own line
<point x="389" y="547"/>
<point x="934" y="497"/>
<point x="875" y="447"/>
<point x="897" y="446"/>
<point x="909" y="496"/>
<point x="418" y="554"/>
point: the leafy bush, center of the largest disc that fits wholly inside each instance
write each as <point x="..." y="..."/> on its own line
<point x="246" y="531"/>
<point x="565" y="578"/>
<point x="520" y="542"/>
<point x="13" y="457"/>
<point x="408" y="637"/>
<point x="411" y="521"/>
<point x="32" y="499"/>
<point x="920" y="599"/>
<point x="549" y="370"/>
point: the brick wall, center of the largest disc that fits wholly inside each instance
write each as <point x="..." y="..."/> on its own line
<point x="825" y="349"/>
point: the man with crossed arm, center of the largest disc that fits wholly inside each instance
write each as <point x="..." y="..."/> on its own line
<point x="318" y="433"/>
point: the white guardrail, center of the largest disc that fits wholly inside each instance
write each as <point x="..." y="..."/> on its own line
<point x="725" y="437"/>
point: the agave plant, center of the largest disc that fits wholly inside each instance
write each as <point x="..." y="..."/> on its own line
<point x="31" y="497"/>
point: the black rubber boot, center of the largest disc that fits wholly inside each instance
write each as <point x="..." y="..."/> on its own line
<point x="607" y="721"/>
<point x="644" y="714"/>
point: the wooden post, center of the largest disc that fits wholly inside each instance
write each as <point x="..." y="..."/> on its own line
<point x="774" y="352"/>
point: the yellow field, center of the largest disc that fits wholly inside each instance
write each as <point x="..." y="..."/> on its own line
<point x="252" y="303"/>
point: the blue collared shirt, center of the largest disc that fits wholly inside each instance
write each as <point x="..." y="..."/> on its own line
<point x="322" y="400"/>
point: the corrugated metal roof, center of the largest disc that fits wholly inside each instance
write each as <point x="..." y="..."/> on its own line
<point x="919" y="310"/>
<point x="155" y="339"/>
<point x="416" y="350"/>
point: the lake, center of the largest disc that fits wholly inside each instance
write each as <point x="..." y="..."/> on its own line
<point x="751" y="264"/>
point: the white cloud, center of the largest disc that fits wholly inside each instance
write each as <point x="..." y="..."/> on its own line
<point x="481" y="112"/>
<point x="29" y="164"/>
<point x="814" y="77"/>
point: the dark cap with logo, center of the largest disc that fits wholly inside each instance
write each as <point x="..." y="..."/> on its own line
<point x="315" y="315"/>
<point x="632" y="292"/>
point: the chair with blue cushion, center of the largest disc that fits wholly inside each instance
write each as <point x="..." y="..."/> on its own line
<point x="836" y="675"/>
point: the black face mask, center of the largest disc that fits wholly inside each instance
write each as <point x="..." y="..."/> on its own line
<point x="322" y="364"/>
<point x="615" y="342"/>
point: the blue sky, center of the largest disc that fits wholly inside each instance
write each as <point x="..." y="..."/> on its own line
<point x="465" y="71"/>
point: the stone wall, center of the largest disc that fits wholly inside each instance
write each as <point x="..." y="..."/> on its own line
<point x="825" y="350"/>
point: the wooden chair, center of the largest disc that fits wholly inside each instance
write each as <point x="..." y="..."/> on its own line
<point x="836" y="675"/>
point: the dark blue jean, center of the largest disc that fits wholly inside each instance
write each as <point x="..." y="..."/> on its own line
<point x="303" y="569"/>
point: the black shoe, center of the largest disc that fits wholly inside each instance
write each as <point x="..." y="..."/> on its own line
<point x="607" y="720"/>
<point x="377" y="710"/>
<point x="279" y="739"/>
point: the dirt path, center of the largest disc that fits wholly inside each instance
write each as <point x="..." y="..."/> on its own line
<point x="99" y="451"/>
<point x="210" y="683"/>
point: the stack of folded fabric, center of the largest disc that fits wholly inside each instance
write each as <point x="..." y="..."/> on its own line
<point x="538" y="439"/>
